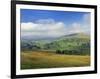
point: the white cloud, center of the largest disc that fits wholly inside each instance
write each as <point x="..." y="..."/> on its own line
<point x="76" y="28"/>
<point x="84" y="26"/>
<point x="87" y="18"/>
<point x="45" y="21"/>
<point x="87" y="23"/>
<point x="46" y="28"/>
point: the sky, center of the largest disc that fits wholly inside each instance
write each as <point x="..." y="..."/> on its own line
<point x="51" y="24"/>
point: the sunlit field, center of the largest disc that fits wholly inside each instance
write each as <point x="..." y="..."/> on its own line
<point x="38" y="59"/>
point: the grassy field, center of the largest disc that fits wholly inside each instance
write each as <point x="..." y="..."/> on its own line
<point x="37" y="59"/>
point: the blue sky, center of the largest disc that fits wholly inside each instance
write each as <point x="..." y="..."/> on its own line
<point x="29" y="15"/>
<point x="48" y="23"/>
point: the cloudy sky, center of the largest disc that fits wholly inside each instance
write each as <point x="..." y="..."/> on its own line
<point x="51" y="24"/>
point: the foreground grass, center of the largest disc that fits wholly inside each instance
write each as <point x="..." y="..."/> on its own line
<point x="34" y="60"/>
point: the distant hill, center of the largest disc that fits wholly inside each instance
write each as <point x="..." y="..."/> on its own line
<point x="76" y="35"/>
<point x="77" y="43"/>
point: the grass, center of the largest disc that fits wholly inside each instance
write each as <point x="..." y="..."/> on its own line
<point x="38" y="59"/>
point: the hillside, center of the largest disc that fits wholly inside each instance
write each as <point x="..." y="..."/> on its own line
<point x="77" y="43"/>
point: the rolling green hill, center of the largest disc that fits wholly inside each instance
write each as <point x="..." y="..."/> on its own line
<point x="78" y="43"/>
